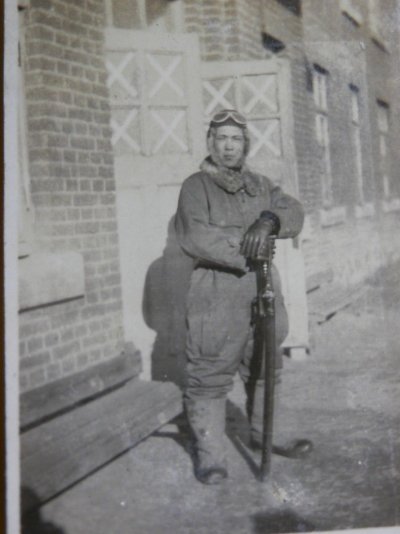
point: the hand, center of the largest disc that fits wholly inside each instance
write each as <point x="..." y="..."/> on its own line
<point x="255" y="241"/>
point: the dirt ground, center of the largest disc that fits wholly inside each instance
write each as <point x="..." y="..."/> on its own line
<point x="344" y="397"/>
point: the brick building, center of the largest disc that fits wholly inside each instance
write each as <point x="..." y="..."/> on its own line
<point x="70" y="291"/>
<point x="351" y="50"/>
<point x="115" y="96"/>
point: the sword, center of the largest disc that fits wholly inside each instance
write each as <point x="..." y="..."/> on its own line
<point x="265" y="342"/>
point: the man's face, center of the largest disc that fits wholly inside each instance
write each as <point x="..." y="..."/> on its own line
<point x="229" y="145"/>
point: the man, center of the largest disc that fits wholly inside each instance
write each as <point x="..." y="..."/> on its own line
<point x="225" y="215"/>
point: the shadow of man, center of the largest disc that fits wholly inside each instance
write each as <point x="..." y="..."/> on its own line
<point x="280" y="521"/>
<point x="32" y="521"/>
<point x="164" y="309"/>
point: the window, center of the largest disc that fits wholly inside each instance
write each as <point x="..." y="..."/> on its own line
<point x="356" y="135"/>
<point x="320" y="88"/>
<point x="25" y="208"/>
<point x="320" y="77"/>
<point x="150" y="101"/>
<point x="383" y="129"/>
<point x="376" y="24"/>
<point x="43" y="278"/>
<point x="142" y="15"/>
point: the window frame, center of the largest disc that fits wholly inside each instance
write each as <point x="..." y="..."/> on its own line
<point x="357" y="143"/>
<point x="174" y="17"/>
<point x="375" y="26"/>
<point x="321" y="119"/>
<point x="25" y="205"/>
<point x="352" y="12"/>
<point x="383" y="126"/>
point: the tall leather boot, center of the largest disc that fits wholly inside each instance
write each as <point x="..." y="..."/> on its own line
<point x="207" y="421"/>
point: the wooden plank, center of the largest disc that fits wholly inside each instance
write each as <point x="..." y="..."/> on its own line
<point x="47" y="401"/>
<point x="88" y="420"/>
<point x="62" y="451"/>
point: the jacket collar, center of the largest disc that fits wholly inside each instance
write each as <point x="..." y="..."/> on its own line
<point x="232" y="180"/>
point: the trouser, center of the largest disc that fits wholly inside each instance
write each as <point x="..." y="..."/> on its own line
<point x="219" y="344"/>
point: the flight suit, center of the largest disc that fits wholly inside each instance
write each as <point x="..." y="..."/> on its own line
<point x="215" y="209"/>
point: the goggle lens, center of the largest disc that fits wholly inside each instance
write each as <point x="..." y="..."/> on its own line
<point x="224" y="115"/>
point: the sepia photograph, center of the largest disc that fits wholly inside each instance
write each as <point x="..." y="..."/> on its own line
<point x="202" y="266"/>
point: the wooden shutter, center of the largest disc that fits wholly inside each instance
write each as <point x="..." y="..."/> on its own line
<point x="158" y="140"/>
<point x="261" y="91"/>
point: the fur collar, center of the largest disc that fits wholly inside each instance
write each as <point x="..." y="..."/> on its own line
<point x="233" y="180"/>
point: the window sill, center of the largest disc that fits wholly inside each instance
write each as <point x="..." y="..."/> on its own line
<point x="306" y="232"/>
<point x="378" y="39"/>
<point x="24" y="249"/>
<point x="364" y="210"/>
<point x="391" y="205"/>
<point x="333" y="216"/>
<point x="351" y="12"/>
<point x="46" y="278"/>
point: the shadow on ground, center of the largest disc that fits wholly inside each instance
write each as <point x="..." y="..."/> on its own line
<point x="343" y="398"/>
<point x="32" y="521"/>
<point x="280" y="521"/>
<point x="237" y="430"/>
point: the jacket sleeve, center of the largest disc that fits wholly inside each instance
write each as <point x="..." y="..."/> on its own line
<point x="289" y="211"/>
<point x="201" y="239"/>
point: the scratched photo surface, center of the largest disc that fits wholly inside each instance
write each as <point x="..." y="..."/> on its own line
<point x="114" y="100"/>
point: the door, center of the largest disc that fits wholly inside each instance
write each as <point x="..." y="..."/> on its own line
<point x="261" y="90"/>
<point x="158" y="141"/>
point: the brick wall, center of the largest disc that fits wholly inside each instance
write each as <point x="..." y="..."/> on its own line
<point x="383" y="76"/>
<point x="72" y="187"/>
<point x="227" y="30"/>
<point x="286" y="26"/>
<point x="249" y="16"/>
<point x="232" y="30"/>
<point x="354" y="249"/>
<point x="384" y="80"/>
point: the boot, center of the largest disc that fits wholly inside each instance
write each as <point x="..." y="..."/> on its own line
<point x="207" y="421"/>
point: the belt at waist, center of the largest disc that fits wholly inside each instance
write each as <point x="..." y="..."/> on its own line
<point x="201" y="264"/>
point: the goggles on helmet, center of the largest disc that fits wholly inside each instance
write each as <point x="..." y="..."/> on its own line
<point x="226" y="114"/>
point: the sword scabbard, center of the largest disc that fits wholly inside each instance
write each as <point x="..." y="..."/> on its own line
<point x="265" y="313"/>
